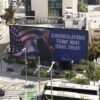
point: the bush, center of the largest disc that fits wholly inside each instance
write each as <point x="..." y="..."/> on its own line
<point x="69" y="74"/>
<point x="42" y="73"/>
<point x="97" y="73"/>
<point x="32" y="63"/>
<point x="84" y="81"/>
<point x="82" y="7"/>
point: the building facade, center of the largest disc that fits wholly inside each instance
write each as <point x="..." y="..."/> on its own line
<point x="46" y="8"/>
<point x="3" y="5"/>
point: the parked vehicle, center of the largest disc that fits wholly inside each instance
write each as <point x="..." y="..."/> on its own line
<point x="2" y="92"/>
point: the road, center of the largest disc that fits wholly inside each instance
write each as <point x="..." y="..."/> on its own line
<point x="15" y="85"/>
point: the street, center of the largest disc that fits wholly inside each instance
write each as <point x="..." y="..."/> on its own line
<point x="15" y="85"/>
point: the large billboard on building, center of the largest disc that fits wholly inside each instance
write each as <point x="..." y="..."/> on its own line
<point x="49" y="43"/>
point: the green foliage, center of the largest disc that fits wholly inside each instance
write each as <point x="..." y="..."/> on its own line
<point x="42" y="72"/>
<point x="91" y="53"/>
<point x="69" y="74"/>
<point x="9" y="15"/>
<point x="32" y="63"/>
<point x="84" y="81"/>
<point x="79" y="68"/>
<point x="18" y="3"/>
<point x="88" y="68"/>
<point x="10" y="59"/>
<point x="82" y="7"/>
<point x="66" y="74"/>
<point x="94" y="49"/>
<point x="97" y="73"/>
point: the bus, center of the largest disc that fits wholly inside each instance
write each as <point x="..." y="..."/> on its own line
<point x="62" y="90"/>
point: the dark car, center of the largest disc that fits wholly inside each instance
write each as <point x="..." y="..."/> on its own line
<point x="2" y="92"/>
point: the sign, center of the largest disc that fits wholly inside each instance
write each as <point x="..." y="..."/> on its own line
<point x="70" y="44"/>
<point x="49" y="43"/>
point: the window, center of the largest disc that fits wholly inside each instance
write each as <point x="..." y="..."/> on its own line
<point x="75" y="22"/>
<point x="68" y="17"/>
<point x="69" y="7"/>
<point x="54" y="7"/>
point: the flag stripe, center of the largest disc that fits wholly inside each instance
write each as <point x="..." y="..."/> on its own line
<point x="25" y="34"/>
<point x="19" y="37"/>
<point x="26" y="37"/>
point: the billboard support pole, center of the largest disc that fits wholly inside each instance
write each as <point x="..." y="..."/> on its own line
<point x="39" y="74"/>
<point x="25" y="63"/>
<point x="94" y="70"/>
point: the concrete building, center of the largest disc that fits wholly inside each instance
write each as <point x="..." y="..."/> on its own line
<point x="93" y="23"/>
<point x="94" y="16"/>
<point x="54" y="12"/>
<point x="3" y="5"/>
<point x="46" y="8"/>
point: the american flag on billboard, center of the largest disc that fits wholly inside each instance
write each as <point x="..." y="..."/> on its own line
<point x="20" y="37"/>
<point x="15" y="42"/>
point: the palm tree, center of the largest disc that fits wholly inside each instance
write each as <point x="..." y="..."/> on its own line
<point x="94" y="49"/>
<point x="18" y="2"/>
<point x="9" y="15"/>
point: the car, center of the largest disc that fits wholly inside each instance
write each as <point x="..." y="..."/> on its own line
<point x="2" y="92"/>
<point x="0" y="20"/>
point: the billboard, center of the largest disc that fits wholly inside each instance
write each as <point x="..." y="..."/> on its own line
<point x="49" y="43"/>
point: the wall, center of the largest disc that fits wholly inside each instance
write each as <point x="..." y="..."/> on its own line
<point x="3" y="5"/>
<point x="40" y="7"/>
<point x="70" y="3"/>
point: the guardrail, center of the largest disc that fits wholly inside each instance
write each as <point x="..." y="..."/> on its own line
<point x="38" y="20"/>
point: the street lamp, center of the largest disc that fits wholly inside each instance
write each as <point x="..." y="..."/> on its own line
<point x="25" y="62"/>
<point x="38" y="70"/>
<point x="94" y="69"/>
<point x="39" y="73"/>
<point x="50" y="70"/>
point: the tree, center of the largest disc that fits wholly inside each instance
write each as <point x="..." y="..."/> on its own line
<point x="97" y="73"/>
<point x="69" y="74"/>
<point x="94" y="49"/>
<point x="42" y="73"/>
<point x="18" y="2"/>
<point x="32" y="63"/>
<point x="9" y="15"/>
<point x="82" y="7"/>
